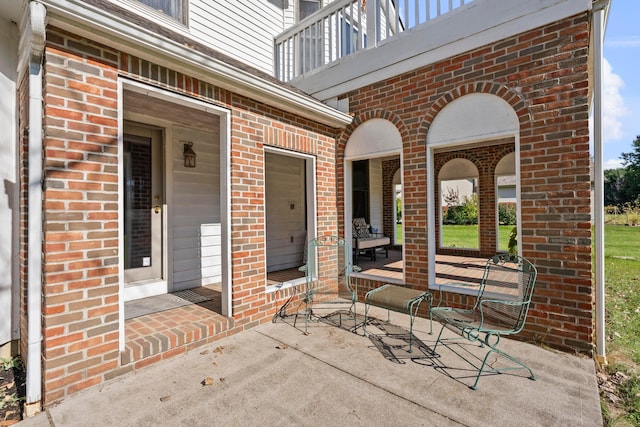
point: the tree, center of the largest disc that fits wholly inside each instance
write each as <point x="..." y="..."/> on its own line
<point x="614" y="194"/>
<point x="631" y="162"/>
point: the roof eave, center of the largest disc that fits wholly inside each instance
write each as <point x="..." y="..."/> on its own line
<point x="99" y="25"/>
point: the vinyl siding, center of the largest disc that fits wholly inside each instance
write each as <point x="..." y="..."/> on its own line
<point x="196" y="211"/>
<point x="243" y="30"/>
<point x="9" y="182"/>
<point x="284" y="187"/>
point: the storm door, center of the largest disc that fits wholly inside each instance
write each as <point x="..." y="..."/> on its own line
<point x="143" y="204"/>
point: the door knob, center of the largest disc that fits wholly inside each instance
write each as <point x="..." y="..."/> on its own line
<point x="156" y="208"/>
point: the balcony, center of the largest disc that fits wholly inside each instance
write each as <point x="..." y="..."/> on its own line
<point x="346" y="27"/>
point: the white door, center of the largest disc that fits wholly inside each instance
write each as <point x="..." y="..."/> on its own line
<point x="143" y="206"/>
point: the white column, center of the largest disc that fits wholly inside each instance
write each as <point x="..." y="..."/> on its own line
<point x="600" y="10"/>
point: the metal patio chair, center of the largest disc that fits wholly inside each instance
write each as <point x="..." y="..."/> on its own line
<point x="491" y="317"/>
<point x="328" y="279"/>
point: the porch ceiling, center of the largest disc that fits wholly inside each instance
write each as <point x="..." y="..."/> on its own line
<point x="179" y="114"/>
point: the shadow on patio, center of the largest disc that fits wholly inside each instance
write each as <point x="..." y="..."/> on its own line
<point x="274" y="374"/>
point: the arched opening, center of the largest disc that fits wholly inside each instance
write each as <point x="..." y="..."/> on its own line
<point x="466" y="144"/>
<point x="372" y="173"/>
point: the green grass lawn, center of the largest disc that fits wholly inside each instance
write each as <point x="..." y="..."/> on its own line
<point x="466" y="236"/>
<point x="622" y="303"/>
<point x="622" y="292"/>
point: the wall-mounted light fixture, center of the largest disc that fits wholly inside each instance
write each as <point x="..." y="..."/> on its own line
<point x="189" y="156"/>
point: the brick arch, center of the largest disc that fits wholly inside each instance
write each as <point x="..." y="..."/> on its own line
<point x="442" y="160"/>
<point x="507" y="149"/>
<point x="509" y="95"/>
<point x="341" y="144"/>
<point x="361" y="118"/>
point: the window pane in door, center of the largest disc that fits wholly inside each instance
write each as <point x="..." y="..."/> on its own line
<point x="137" y="203"/>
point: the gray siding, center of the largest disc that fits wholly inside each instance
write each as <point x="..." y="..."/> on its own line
<point x="197" y="257"/>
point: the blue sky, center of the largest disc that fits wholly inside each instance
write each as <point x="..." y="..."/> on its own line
<point x="621" y="99"/>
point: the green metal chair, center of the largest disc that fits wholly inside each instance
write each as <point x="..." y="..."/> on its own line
<point x="328" y="278"/>
<point x="491" y="318"/>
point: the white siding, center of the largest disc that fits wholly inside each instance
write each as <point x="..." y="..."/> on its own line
<point x="463" y="187"/>
<point x="375" y="194"/>
<point x="196" y="211"/>
<point x="285" y="211"/>
<point x="8" y="184"/>
<point x="507" y="195"/>
<point x="243" y="30"/>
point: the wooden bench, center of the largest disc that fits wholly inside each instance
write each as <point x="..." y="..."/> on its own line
<point x="401" y="299"/>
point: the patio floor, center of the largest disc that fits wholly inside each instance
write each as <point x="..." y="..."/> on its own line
<point x="275" y="375"/>
<point x="163" y="334"/>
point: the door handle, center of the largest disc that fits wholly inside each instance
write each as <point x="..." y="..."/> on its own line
<point x="156" y="208"/>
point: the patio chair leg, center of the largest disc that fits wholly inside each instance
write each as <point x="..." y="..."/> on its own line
<point x="438" y="340"/>
<point x="513" y="359"/>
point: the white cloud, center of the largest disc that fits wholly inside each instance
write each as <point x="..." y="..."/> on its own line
<point x="613" y="106"/>
<point x="612" y="164"/>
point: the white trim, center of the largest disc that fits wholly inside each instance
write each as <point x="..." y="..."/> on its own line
<point x="98" y="25"/>
<point x="159" y="287"/>
<point x="225" y="210"/>
<point x="471" y="290"/>
<point x="600" y="15"/>
<point x="147" y="288"/>
<point x="481" y="23"/>
<point x="36" y="33"/>
<point x="431" y="218"/>
<point x="311" y="200"/>
<point x="121" y="317"/>
<point x="269" y="289"/>
<point x="384" y="279"/>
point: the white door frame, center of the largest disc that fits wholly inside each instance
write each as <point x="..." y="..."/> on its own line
<point x="225" y="183"/>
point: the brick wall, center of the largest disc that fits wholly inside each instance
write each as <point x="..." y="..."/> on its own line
<point x="80" y="278"/>
<point x="543" y="75"/>
<point x="389" y="169"/>
<point x="80" y="218"/>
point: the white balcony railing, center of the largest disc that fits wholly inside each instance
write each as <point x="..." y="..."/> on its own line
<point x="345" y="27"/>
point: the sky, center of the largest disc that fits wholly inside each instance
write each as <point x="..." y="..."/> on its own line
<point x="621" y="98"/>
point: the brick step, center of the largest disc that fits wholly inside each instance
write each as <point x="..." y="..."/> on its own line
<point x="161" y="335"/>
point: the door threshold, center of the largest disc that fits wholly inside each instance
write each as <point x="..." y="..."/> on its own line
<point x="144" y="289"/>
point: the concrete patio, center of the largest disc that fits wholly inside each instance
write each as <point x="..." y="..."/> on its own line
<point x="276" y="375"/>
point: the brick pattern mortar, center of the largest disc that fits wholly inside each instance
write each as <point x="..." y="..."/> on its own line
<point x="543" y="75"/>
<point x="81" y="289"/>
